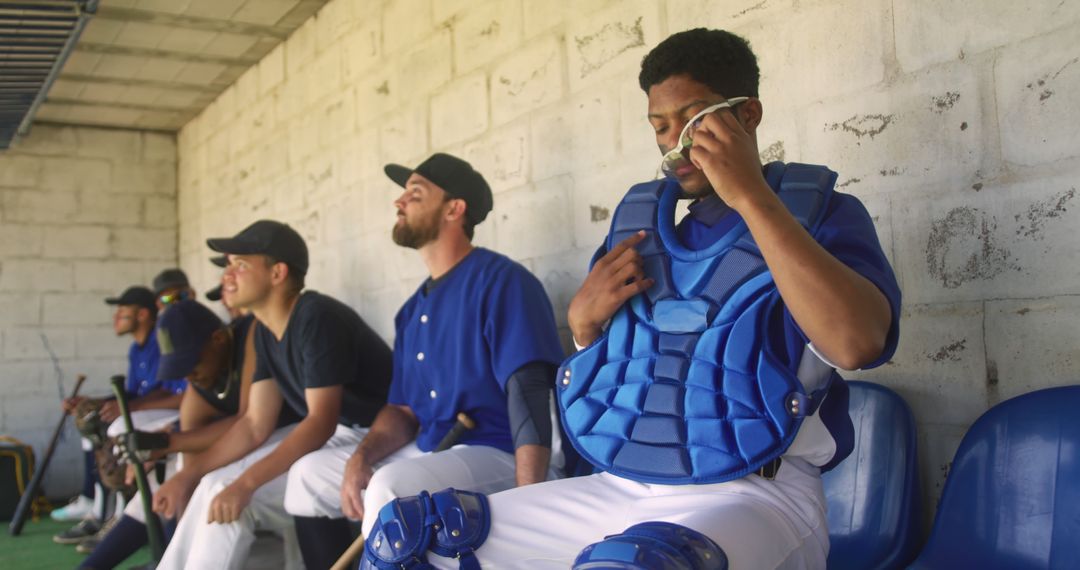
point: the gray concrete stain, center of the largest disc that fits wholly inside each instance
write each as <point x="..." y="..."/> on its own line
<point x="757" y="6"/>
<point x="607" y="43"/>
<point x="1032" y="221"/>
<point x="598" y="214"/>
<point x="961" y="247"/>
<point x="863" y="125"/>
<point x="950" y="351"/>
<point x="773" y="152"/>
<point x="945" y="102"/>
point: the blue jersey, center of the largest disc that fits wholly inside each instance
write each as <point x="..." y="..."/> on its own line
<point x="143" y="367"/>
<point x="459" y="341"/>
<point x="847" y="232"/>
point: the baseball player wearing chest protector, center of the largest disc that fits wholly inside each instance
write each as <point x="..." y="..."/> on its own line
<point x="705" y="389"/>
<point x="477" y="337"/>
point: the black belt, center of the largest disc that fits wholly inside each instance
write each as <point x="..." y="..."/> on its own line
<point x="769" y="470"/>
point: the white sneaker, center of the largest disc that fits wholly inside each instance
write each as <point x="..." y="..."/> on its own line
<point x="77" y="509"/>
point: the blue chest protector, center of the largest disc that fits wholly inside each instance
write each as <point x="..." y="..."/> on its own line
<point x="689" y="384"/>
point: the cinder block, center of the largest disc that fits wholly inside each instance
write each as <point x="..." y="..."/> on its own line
<point x="403" y="136"/>
<point x="20" y="171"/>
<point x="337" y="120"/>
<point x="610" y="43"/>
<point x="529" y="79"/>
<point x="332" y="21"/>
<point x="22" y="378"/>
<point x="379" y="307"/>
<point x="999" y="242"/>
<point x="20" y="240"/>
<point x="108" y="143"/>
<point x="318" y="178"/>
<point x="929" y="32"/>
<point x="533" y="221"/>
<point x="444" y="10"/>
<point x="273" y="157"/>
<point x="74" y="309"/>
<point x="684" y="15"/>
<point x="791" y="53"/>
<point x="286" y="195"/>
<point x="1031" y="344"/>
<point x="596" y="194"/>
<point x="562" y="275"/>
<point x="425" y="68"/>
<point x="580" y="134"/>
<point x="365" y="268"/>
<point x="377" y="94"/>
<point x="485" y="32"/>
<point x="940" y="363"/>
<point x="36" y="275"/>
<point x="880" y="209"/>
<point x="159" y="212"/>
<point x="357" y="159"/>
<point x="362" y="51"/>
<point x="144" y="244"/>
<point x="328" y="71"/>
<point x="300" y="48"/>
<point x="67" y="174"/>
<point x="48" y="140"/>
<point x="25" y="206"/>
<point x="34" y="343"/>
<point x="20" y="309"/>
<point x="543" y="15"/>
<point x="343" y="224"/>
<point x="108" y="277"/>
<point x="146" y="177"/>
<point x="247" y="88"/>
<point x="108" y="209"/>
<point x="867" y="137"/>
<point x="1037" y="101"/>
<point x="410" y="21"/>
<point x="502" y="157"/>
<point x="378" y="194"/>
<point x="159" y="146"/>
<point x="272" y="69"/>
<point x="76" y="242"/>
<point x="461" y="111"/>
<point x="303" y="138"/>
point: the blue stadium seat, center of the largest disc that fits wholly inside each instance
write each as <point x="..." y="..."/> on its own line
<point x="1012" y="497"/>
<point x="873" y="495"/>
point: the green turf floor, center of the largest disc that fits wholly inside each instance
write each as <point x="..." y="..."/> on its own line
<point x="34" y="548"/>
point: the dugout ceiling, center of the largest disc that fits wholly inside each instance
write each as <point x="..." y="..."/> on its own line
<point x="148" y="64"/>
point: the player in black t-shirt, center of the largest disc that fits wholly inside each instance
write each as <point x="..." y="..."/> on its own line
<point x="326" y="364"/>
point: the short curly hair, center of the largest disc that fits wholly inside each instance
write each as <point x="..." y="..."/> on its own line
<point x="718" y="59"/>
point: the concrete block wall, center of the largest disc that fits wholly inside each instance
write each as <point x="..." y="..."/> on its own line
<point x="955" y="125"/>
<point x="84" y="213"/>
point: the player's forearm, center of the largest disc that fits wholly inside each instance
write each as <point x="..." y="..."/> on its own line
<point x="531" y="464"/>
<point x="240" y="439"/>
<point x="843" y="314"/>
<point x="200" y="438"/>
<point x="393" y="428"/>
<point x="157" y="400"/>
<point x="309" y="435"/>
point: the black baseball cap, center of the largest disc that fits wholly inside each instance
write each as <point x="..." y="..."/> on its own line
<point x="182" y="332"/>
<point x="138" y="295"/>
<point x="170" y="279"/>
<point x="267" y="237"/>
<point x="453" y="175"/>
<point x="220" y="260"/>
<point x="214" y="294"/>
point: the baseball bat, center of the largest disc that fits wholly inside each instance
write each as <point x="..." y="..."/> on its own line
<point x="463" y="424"/>
<point x="153" y="524"/>
<point x="27" y="499"/>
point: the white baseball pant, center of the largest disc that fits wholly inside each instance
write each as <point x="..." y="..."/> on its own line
<point x="760" y="524"/>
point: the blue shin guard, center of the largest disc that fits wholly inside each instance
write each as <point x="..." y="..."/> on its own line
<point x="653" y="546"/>
<point x="449" y="523"/>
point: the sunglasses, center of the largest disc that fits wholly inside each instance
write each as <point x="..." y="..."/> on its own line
<point x="679" y="157"/>
<point x="173" y="298"/>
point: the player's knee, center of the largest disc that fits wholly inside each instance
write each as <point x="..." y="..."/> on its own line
<point x="299" y="496"/>
<point x="388" y="483"/>
<point x="653" y="546"/>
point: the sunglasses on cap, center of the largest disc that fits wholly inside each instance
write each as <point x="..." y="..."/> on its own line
<point x="679" y="157"/>
<point x="171" y="298"/>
